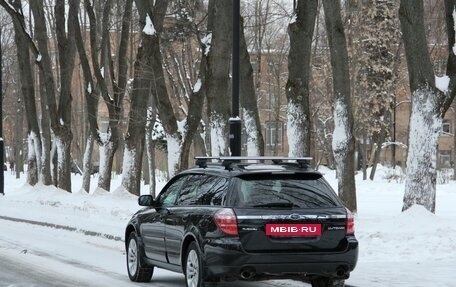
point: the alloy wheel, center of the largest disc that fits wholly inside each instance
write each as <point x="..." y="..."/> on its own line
<point x="132" y="257"/>
<point x="192" y="269"/>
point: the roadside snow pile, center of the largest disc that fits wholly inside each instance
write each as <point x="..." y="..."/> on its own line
<point x="412" y="248"/>
<point x="415" y="235"/>
<point x="79" y="210"/>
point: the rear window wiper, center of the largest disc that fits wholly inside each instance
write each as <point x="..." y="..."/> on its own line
<point x="276" y="204"/>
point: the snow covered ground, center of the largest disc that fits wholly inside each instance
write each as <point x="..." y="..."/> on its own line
<point x="83" y="239"/>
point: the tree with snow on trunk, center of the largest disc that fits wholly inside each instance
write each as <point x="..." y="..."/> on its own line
<point x="431" y="98"/>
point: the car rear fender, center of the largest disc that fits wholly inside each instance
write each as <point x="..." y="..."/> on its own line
<point x="192" y="235"/>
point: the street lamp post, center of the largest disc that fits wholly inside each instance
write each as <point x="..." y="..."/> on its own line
<point x="235" y="121"/>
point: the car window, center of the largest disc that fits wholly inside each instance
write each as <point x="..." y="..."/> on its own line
<point x="168" y="196"/>
<point x="298" y="191"/>
<point x="212" y="190"/>
<point x="187" y="195"/>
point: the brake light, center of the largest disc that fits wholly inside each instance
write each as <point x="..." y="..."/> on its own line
<point x="227" y="222"/>
<point x="350" y="225"/>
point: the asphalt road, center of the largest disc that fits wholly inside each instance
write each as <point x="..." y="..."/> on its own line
<point x="13" y="274"/>
<point x="37" y="255"/>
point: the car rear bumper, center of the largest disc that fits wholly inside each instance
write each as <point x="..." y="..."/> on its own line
<point x="226" y="258"/>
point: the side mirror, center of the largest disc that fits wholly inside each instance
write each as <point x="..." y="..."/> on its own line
<point x="146" y="200"/>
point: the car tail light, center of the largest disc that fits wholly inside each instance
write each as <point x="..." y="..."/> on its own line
<point x="350" y="228"/>
<point x="227" y="222"/>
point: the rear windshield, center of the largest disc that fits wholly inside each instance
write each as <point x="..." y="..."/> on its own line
<point x="285" y="191"/>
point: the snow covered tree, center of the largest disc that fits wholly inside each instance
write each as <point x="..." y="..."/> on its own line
<point x="28" y="91"/>
<point x="217" y="73"/>
<point x="301" y="31"/>
<point x="343" y="139"/>
<point x="59" y="107"/>
<point x="248" y="100"/>
<point x="179" y="109"/>
<point x="429" y="103"/>
<point x="196" y="102"/>
<point x="148" y="60"/>
<point x="41" y="37"/>
<point x="101" y="78"/>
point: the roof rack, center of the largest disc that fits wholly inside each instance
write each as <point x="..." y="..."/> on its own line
<point x="226" y="161"/>
<point x="201" y="161"/>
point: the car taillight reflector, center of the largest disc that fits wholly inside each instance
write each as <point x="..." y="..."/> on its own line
<point x="227" y="222"/>
<point x="350" y="228"/>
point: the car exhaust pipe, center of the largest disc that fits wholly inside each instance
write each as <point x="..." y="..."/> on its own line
<point x="247" y="273"/>
<point x="342" y="272"/>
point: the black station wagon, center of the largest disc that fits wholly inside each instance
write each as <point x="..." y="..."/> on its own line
<point x="241" y="218"/>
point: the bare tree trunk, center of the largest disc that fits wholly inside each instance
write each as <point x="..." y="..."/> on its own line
<point x="217" y="74"/>
<point x="134" y="142"/>
<point x="262" y="16"/>
<point x="150" y="146"/>
<point x="107" y="152"/>
<point x="364" y="153"/>
<point x="191" y="134"/>
<point x="299" y="118"/>
<point x="33" y="136"/>
<point x="252" y="124"/>
<point x="379" y="139"/>
<point x="194" y="116"/>
<point x="28" y="95"/>
<point x="92" y="103"/>
<point x="145" y="167"/>
<point x="451" y="68"/>
<point x="160" y="94"/>
<point x="59" y="111"/>
<point x="199" y="145"/>
<point x="109" y="143"/>
<point x="87" y="163"/>
<point x="194" y="111"/>
<point x="454" y="143"/>
<point x="146" y="58"/>
<point x="46" y="143"/>
<point x="32" y="178"/>
<point x="47" y="88"/>
<point x="343" y="139"/>
<point x="62" y="125"/>
<point x="54" y="166"/>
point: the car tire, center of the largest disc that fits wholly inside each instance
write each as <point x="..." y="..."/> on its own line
<point x="327" y="282"/>
<point x="137" y="270"/>
<point x="194" y="268"/>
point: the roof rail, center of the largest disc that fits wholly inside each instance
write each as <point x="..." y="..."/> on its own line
<point x="201" y="161"/>
<point x="226" y="161"/>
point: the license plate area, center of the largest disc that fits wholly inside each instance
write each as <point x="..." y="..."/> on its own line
<point x="293" y="230"/>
